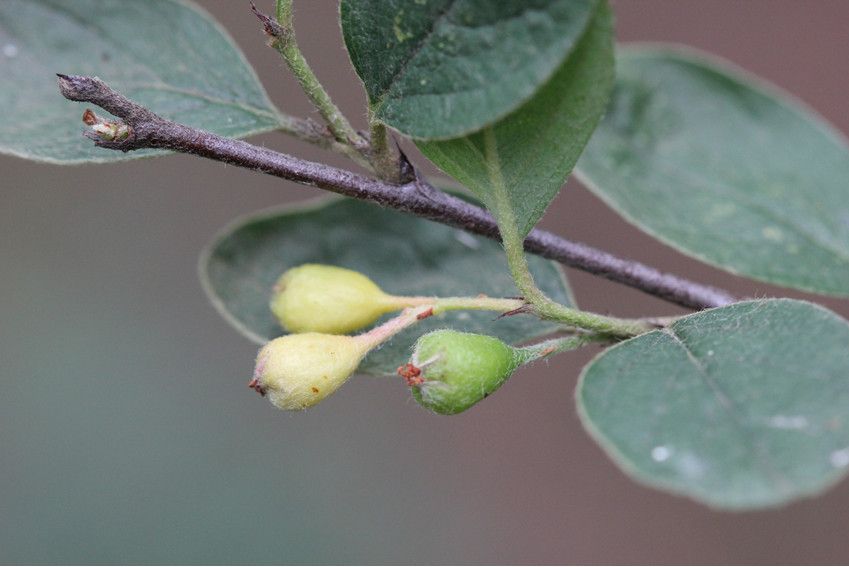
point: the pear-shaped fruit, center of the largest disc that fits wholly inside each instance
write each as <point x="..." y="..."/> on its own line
<point x="298" y="371"/>
<point x="451" y="371"/>
<point x="328" y="299"/>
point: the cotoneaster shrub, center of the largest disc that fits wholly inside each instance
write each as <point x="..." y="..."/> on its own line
<point x="743" y="403"/>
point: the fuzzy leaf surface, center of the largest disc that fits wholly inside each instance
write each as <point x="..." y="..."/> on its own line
<point x="527" y="156"/>
<point x="444" y="68"/>
<point x="739" y="407"/>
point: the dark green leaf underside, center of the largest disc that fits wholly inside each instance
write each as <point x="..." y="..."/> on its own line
<point x="724" y="169"/>
<point x="403" y="254"/>
<point x="436" y="69"/>
<point x="743" y="406"/>
<point x="529" y="154"/>
<point x="167" y="55"/>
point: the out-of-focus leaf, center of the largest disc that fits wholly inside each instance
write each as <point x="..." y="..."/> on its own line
<point x="725" y="169"/>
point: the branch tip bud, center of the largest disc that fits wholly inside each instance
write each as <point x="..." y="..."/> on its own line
<point x="89" y="117"/>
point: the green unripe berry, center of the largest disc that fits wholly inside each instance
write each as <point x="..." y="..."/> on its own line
<point x="451" y="371"/>
<point x="298" y="371"/>
<point x="328" y="299"/>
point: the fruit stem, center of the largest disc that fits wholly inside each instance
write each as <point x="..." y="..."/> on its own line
<point x="513" y="240"/>
<point x="443" y="304"/>
<point x="382" y="333"/>
<point x="557" y="345"/>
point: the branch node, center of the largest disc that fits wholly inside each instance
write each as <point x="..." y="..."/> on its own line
<point x="106" y="130"/>
<point x="407" y="173"/>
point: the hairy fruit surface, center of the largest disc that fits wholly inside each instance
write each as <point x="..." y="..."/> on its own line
<point x="298" y="371"/>
<point x="454" y="370"/>
<point x="327" y="299"/>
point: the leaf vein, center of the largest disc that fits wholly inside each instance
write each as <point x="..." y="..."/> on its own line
<point x="760" y="458"/>
<point x="419" y="46"/>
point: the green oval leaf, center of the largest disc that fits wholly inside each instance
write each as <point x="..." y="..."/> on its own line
<point x="404" y="255"/>
<point x="167" y="55"/>
<point x="724" y="169"/>
<point x="527" y="156"/>
<point x="743" y="406"/>
<point x="444" y="68"/>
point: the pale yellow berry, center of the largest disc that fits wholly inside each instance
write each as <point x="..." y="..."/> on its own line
<point x="298" y="371"/>
<point x="328" y="299"/>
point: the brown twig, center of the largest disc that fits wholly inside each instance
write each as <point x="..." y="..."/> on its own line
<point x="148" y="130"/>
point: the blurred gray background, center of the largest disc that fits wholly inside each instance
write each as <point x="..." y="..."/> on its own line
<point x="127" y="432"/>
